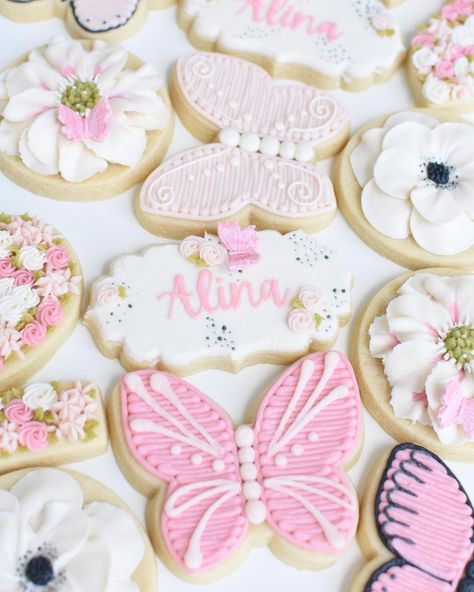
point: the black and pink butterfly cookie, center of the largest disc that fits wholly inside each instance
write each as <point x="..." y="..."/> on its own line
<point x="417" y="527"/>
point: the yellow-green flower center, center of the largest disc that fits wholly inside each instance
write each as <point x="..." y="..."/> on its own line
<point x="81" y="96"/>
<point x="459" y="343"/>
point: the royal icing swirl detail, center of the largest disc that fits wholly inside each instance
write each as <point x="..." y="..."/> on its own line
<point x="219" y="309"/>
<point x="38" y="277"/>
<point x="442" y="55"/>
<point x="418" y="497"/>
<point x="425" y="341"/>
<point x="221" y="480"/>
<point x="416" y="174"/>
<point x="342" y="41"/>
<point x="71" y="111"/>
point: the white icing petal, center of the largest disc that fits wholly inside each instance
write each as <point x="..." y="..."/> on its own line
<point x="39" y="395"/>
<point x="406" y="405"/>
<point x="404" y="116"/>
<point x="381" y="341"/>
<point x="388" y="215"/>
<point x="424" y="59"/>
<point x="10" y="136"/>
<point x="365" y="154"/>
<point x="406" y="166"/>
<point x="465" y="190"/>
<point x="435" y="204"/>
<point x="409" y="364"/>
<point x="454" y="144"/>
<point x="42" y="138"/>
<point x="122" y="145"/>
<point x="28" y="104"/>
<point x="436" y="91"/>
<point x="39" y="74"/>
<point x="412" y="136"/>
<point x="77" y="163"/>
<point x="443" y="239"/>
<point x="30" y="160"/>
<point x="31" y="258"/>
<point x="63" y="53"/>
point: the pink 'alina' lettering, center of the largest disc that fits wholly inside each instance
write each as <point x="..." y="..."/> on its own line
<point x="282" y="13"/>
<point x="210" y="295"/>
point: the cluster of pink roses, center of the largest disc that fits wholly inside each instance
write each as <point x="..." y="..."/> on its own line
<point x="66" y="419"/>
<point x="31" y="258"/>
<point x="304" y="316"/>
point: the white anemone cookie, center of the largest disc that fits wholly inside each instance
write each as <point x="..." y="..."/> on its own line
<point x="108" y="20"/>
<point x="82" y="121"/>
<point x="259" y="165"/>
<point x="40" y="295"/>
<point x="64" y="531"/>
<point x="342" y="43"/>
<point x="440" y="63"/>
<point x="413" y="353"/>
<point x="405" y="183"/>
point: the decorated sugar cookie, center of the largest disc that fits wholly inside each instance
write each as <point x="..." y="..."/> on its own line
<point x="441" y="59"/>
<point x="259" y="171"/>
<point x="417" y="526"/>
<point x="40" y="295"/>
<point x="345" y="43"/>
<point x="65" y="531"/>
<point x="82" y="121"/>
<point x="413" y="352"/>
<point x="110" y="20"/>
<point x="216" y="491"/>
<point x="50" y="423"/>
<point x="225" y="301"/>
<point x="405" y="184"/>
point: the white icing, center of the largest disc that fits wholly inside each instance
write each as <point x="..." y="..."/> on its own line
<point x="436" y="91"/>
<point x="40" y="395"/>
<point x="357" y="52"/>
<point x="6" y="241"/>
<point x="141" y="324"/>
<point x="31" y="258"/>
<point x="15" y="301"/>
<point x="400" y="200"/>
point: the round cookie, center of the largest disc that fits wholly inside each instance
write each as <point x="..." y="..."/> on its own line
<point x="109" y="20"/>
<point x="40" y="296"/>
<point x="217" y="490"/>
<point x="411" y="497"/>
<point x="123" y="555"/>
<point x="423" y="407"/>
<point x="404" y="185"/>
<point x="82" y="120"/>
<point x="440" y="68"/>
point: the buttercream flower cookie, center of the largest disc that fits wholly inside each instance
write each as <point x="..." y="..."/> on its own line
<point x="223" y="301"/>
<point x="258" y="167"/>
<point x="40" y="295"/>
<point x="108" y="20"/>
<point x="351" y="44"/>
<point x="416" y="527"/>
<point x="413" y="353"/>
<point x="441" y="59"/>
<point x="405" y="183"/>
<point x="50" y="423"/>
<point x="65" y="531"/>
<point x="217" y="490"/>
<point x="82" y="120"/>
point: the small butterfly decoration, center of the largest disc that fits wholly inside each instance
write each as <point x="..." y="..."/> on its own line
<point x="213" y="486"/>
<point x="241" y="244"/>
<point x="93" y="125"/>
<point x="456" y="409"/>
<point x="425" y="519"/>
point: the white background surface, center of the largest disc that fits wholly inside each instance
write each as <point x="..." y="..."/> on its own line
<point x="101" y="231"/>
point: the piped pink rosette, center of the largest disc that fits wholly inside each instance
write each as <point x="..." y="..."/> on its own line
<point x="36" y="277"/>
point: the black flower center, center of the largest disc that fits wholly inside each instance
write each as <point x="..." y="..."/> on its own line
<point x="438" y="172"/>
<point x="39" y="570"/>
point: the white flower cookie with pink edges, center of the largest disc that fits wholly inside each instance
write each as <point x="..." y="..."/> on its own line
<point x="441" y="60"/>
<point x="227" y="301"/>
<point x="50" y="423"/>
<point x="82" y="121"/>
<point x="108" y="20"/>
<point x="257" y="167"/>
<point x="40" y="295"/>
<point x="351" y="44"/>
<point x="217" y="490"/>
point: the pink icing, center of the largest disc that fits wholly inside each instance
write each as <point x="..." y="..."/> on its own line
<point x="6" y="268"/>
<point x="57" y="257"/>
<point x="455" y="409"/>
<point x="308" y="424"/>
<point x="280" y="13"/>
<point x="17" y="412"/>
<point x="33" y="334"/>
<point x="241" y="244"/>
<point x="23" y="277"/>
<point x="34" y="436"/>
<point x="49" y="312"/>
<point x="94" y="126"/>
<point x="210" y="295"/>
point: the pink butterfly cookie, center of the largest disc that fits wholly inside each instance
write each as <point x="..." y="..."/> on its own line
<point x="216" y="491"/>
<point x="424" y="519"/>
<point x="262" y="137"/>
<point x="111" y="20"/>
